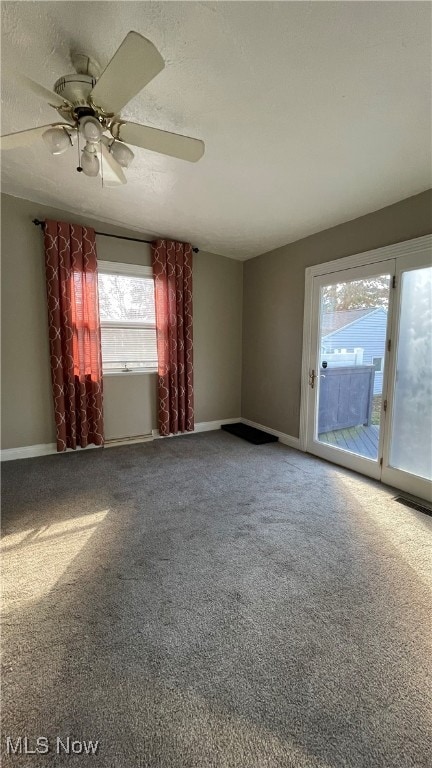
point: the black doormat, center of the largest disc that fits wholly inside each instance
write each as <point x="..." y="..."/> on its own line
<point x="252" y="435"/>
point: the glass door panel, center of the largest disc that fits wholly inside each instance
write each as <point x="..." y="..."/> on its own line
<point x="411" y="433"/>
<point x="367" y="386"/>
<point x="352" y="350"/>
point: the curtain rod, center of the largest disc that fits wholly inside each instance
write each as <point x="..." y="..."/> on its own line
<point x="41" y="224"/>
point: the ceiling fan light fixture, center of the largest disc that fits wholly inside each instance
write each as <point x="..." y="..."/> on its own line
<point x="91" y="129"/>
<point x="89" y="162"/>
<point x="57" y="140"/>
<point x="121" y="153"/>
<point x="90" y="104"/>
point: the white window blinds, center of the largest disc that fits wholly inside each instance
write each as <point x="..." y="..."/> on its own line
<point x="127" y="315"/>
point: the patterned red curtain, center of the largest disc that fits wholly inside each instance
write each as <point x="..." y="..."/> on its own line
<point x="74" y="333"/>
<point x="172" y="269"/>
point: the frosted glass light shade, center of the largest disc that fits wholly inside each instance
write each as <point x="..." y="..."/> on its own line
<point x="91" y="129"/>
<point x="57" y="140"/>
<point x="122" y="154"/>
<point x="89" y="163"/>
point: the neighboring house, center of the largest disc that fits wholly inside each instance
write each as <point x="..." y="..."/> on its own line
<point x="355" y="337"/>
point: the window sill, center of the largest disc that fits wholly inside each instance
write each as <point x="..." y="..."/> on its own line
<point x="130" y="373"/>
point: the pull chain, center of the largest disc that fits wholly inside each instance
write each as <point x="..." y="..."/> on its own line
<point x="79" y="169"/>
<point x="101" y="164"/>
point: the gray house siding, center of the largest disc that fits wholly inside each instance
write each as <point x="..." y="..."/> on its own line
<point x="367" y="333"/>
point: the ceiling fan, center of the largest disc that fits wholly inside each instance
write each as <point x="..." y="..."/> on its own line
<point x="89" y="104"/>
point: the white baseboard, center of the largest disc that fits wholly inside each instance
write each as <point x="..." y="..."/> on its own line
<point x="201" y="426"/>
<point x="46" y="449"/>
<point x="293" y="442"/>
<point x="209" y="426"/>
<point x="28" y="451"/>
<point x="116" y="442"/>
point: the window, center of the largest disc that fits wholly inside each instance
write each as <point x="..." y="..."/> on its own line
<point x="127" y="315"/>
<point x="377" y="363"/>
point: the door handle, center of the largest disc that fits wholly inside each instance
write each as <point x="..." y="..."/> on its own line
<point x="312" y="377"/>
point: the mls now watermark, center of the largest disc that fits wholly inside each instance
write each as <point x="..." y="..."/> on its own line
<point x="42" y="745"/>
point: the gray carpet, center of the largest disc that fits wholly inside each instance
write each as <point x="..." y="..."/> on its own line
<point x="201" y="601"/>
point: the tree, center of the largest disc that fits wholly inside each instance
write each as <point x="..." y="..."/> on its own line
<point x="126" y="298"/>
<point x="356" y="294"/>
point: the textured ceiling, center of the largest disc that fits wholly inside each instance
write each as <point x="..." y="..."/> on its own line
<point x="312" y="114"/>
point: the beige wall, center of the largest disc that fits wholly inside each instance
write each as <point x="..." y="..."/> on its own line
<point x="130" y="402"/>
<point x="218" y="292"/>
<point x="273" y="301"/>
<point x="265" y="389"/>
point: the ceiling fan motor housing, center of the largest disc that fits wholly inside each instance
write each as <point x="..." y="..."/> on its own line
<point x="75" y="88"/>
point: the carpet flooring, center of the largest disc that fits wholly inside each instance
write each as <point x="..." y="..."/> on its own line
<point x="199" y="602"/>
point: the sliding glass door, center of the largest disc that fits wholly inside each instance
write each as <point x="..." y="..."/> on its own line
<point x="408" y="447"/>
<point x="367" y="390"/>
<point x="349" y="356"/>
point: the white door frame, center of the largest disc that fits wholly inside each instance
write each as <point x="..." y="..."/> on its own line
<point x="359" y="463"/>
<point x="420" y="246"/>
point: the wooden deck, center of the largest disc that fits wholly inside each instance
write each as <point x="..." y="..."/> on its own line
<point x="360" y="440"/>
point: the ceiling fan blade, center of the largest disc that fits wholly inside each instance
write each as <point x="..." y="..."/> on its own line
<point x="133" y="65"/>
<point x="164" y="142"/>
<point x="112" y="172"/>
<point x="53" y="99"/>
<point x="26" y="138"/>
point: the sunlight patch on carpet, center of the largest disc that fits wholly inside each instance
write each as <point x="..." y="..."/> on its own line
<point x="34" y="560"/>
